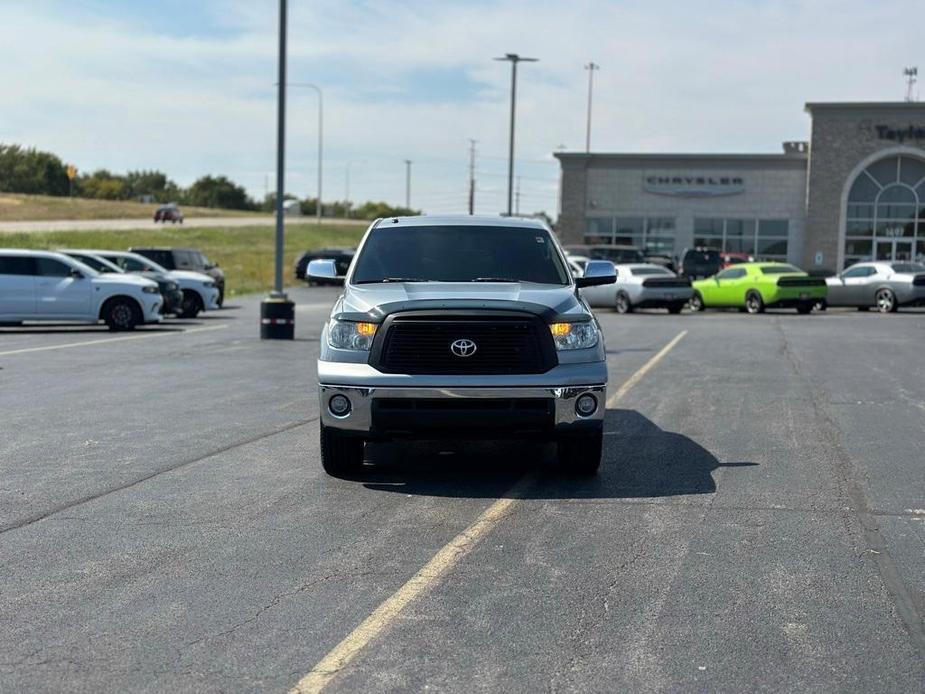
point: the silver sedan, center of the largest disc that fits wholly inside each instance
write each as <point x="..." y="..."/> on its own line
<point x="641" y="285"/>
<point x="882" y="285"/>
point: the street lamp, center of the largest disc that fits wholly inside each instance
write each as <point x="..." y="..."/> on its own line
<point x="309" y="85"/>
<point x="590" y="67"/>
<point x="347" y="184"/>
<point x="408" y="184"/>
<point x="513" y="59"/>
<point x="277" y="312"/>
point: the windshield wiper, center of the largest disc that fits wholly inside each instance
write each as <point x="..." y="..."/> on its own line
<point x="494" y="279"/>
<point x="394" y="279"/>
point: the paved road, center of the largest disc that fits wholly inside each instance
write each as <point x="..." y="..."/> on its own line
<point x="147" y="223"/>
<point x="758" y="524"/>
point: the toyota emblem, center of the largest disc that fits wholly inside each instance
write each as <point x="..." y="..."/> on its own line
<point x="463" y="348"/>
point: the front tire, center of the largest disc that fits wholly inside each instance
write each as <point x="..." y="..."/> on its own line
<point x="754" y="304"/>
<point x="191" y="305"/>
<point x="341" y="455"/>
<point x="121" y="315"/>
<point x="886" y="301"/>
<point x="696" y="302"/>
<point x="581" y="455"/>
<point x="623" y="303"/>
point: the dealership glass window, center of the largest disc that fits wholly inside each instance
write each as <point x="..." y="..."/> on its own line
<point x="768" y="239"/>
<point x="885" y="202"/>
<point x="740" y="236"/>
<point x="600" y="230"/>
<point x="654" y="234"/>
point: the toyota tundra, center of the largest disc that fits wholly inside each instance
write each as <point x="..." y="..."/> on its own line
<point x="461" y="327"/>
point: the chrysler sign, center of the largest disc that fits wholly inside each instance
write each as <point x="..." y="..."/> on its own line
<point x="694" y="186"/>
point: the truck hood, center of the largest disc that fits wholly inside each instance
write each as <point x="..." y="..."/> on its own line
<point x="379" y="300"/>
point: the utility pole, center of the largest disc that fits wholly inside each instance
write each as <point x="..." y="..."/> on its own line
<point x="408" y="184"/>
<point x="590" y="67"/>
<point x="912" y="75"/>
<point x="517" y="198"/>
<point x="513" y="59"/>
<point x="472" y="176"/>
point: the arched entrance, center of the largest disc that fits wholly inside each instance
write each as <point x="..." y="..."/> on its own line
<point x="885" y="211"/>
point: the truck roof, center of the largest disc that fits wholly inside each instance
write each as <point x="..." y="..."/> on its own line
<point x="462" y="220"/>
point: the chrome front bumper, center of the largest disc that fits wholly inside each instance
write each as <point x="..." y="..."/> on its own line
<point x="360" y="417"/>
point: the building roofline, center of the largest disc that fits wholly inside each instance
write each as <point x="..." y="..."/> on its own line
<point x="849" y="105"/>
<point x="661" y="156"/>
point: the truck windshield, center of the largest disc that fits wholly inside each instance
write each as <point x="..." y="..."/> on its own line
<point x="459" y="254"/>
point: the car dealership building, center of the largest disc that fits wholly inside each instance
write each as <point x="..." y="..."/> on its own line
<point x="855" y="191"/>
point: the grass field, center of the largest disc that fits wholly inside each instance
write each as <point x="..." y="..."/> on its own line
<point x="245" y="253"/>
<point x="27" y="208"/>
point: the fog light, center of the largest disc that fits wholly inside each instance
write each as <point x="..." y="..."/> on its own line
<point x="339" y="406"/>
<point x="586" y="405"/>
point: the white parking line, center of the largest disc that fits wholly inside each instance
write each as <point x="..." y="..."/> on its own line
<point x="110" y="339"/>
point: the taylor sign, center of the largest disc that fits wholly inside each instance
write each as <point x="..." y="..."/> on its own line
<point x="694" y="186"/>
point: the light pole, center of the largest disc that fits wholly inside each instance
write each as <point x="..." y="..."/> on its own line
<point x="277" y="312"/>
<point x="408" y="184"/>
<point x="347" y="184"/>
<point x="309" y="85"/>
<point x="590" y="67"/>
<point x="513" y="59"/>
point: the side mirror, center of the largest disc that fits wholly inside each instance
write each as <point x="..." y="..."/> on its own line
<point x="76" y="274"/>
<point x="597" y="272"/>
<point x="323" y="270"/>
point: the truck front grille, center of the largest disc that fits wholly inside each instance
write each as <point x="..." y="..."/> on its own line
<point x="503" y="345"/>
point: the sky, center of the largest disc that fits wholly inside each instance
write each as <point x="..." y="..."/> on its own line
<point x="188" y="87"/>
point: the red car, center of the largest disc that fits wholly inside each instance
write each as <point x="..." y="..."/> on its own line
<point x="730" y="259"/>
<point x="168" y="213"/>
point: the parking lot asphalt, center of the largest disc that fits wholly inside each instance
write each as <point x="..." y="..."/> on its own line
<point x="758" y="522"/>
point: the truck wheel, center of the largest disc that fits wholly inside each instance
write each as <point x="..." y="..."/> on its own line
<point x="340" y="454"/>
<point x="191" y="305"/>
<point x="581" y="455"/>
<point x="754" y="303"/>
<point x="624" y="305"/>
<point x="121" y="314"/>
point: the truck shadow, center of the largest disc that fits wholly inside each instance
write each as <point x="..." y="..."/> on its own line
<point x="640" y="461"/>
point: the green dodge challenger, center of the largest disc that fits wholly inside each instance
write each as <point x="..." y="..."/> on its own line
<point x="754" y="287"/>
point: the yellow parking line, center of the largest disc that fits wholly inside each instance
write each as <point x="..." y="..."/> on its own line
<point x="441" y="563"/>
<point x="634" y="379"/>
<point x="110" y="339"/>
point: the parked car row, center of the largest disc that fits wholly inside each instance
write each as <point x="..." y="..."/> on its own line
<point x="124" y="289"/>
<point x="753" y="287"/>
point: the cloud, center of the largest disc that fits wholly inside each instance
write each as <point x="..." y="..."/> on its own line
<point x="110" y="85"/>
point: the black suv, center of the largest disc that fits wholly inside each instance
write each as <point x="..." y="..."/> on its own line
<point x="700" y="262"/>
<point x="186" y="259"/>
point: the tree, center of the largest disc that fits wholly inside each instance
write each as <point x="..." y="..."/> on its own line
<point x="31" y="171"/>
<point x="374" y="210"/>
<point x="218" y="191"/>
<point x="102" y="185"/>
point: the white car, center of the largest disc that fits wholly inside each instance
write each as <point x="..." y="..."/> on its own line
<point x="42" y="286"/>
<point x="641" y="285"/>
<point x="199" y="290"/>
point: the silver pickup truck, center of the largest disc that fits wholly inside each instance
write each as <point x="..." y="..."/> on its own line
<point x="461" y="327"/>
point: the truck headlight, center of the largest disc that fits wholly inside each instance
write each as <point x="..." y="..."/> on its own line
<point x="574" y="335"/>
<point x="351" y="335"/>
<point x="151" y="290"/>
